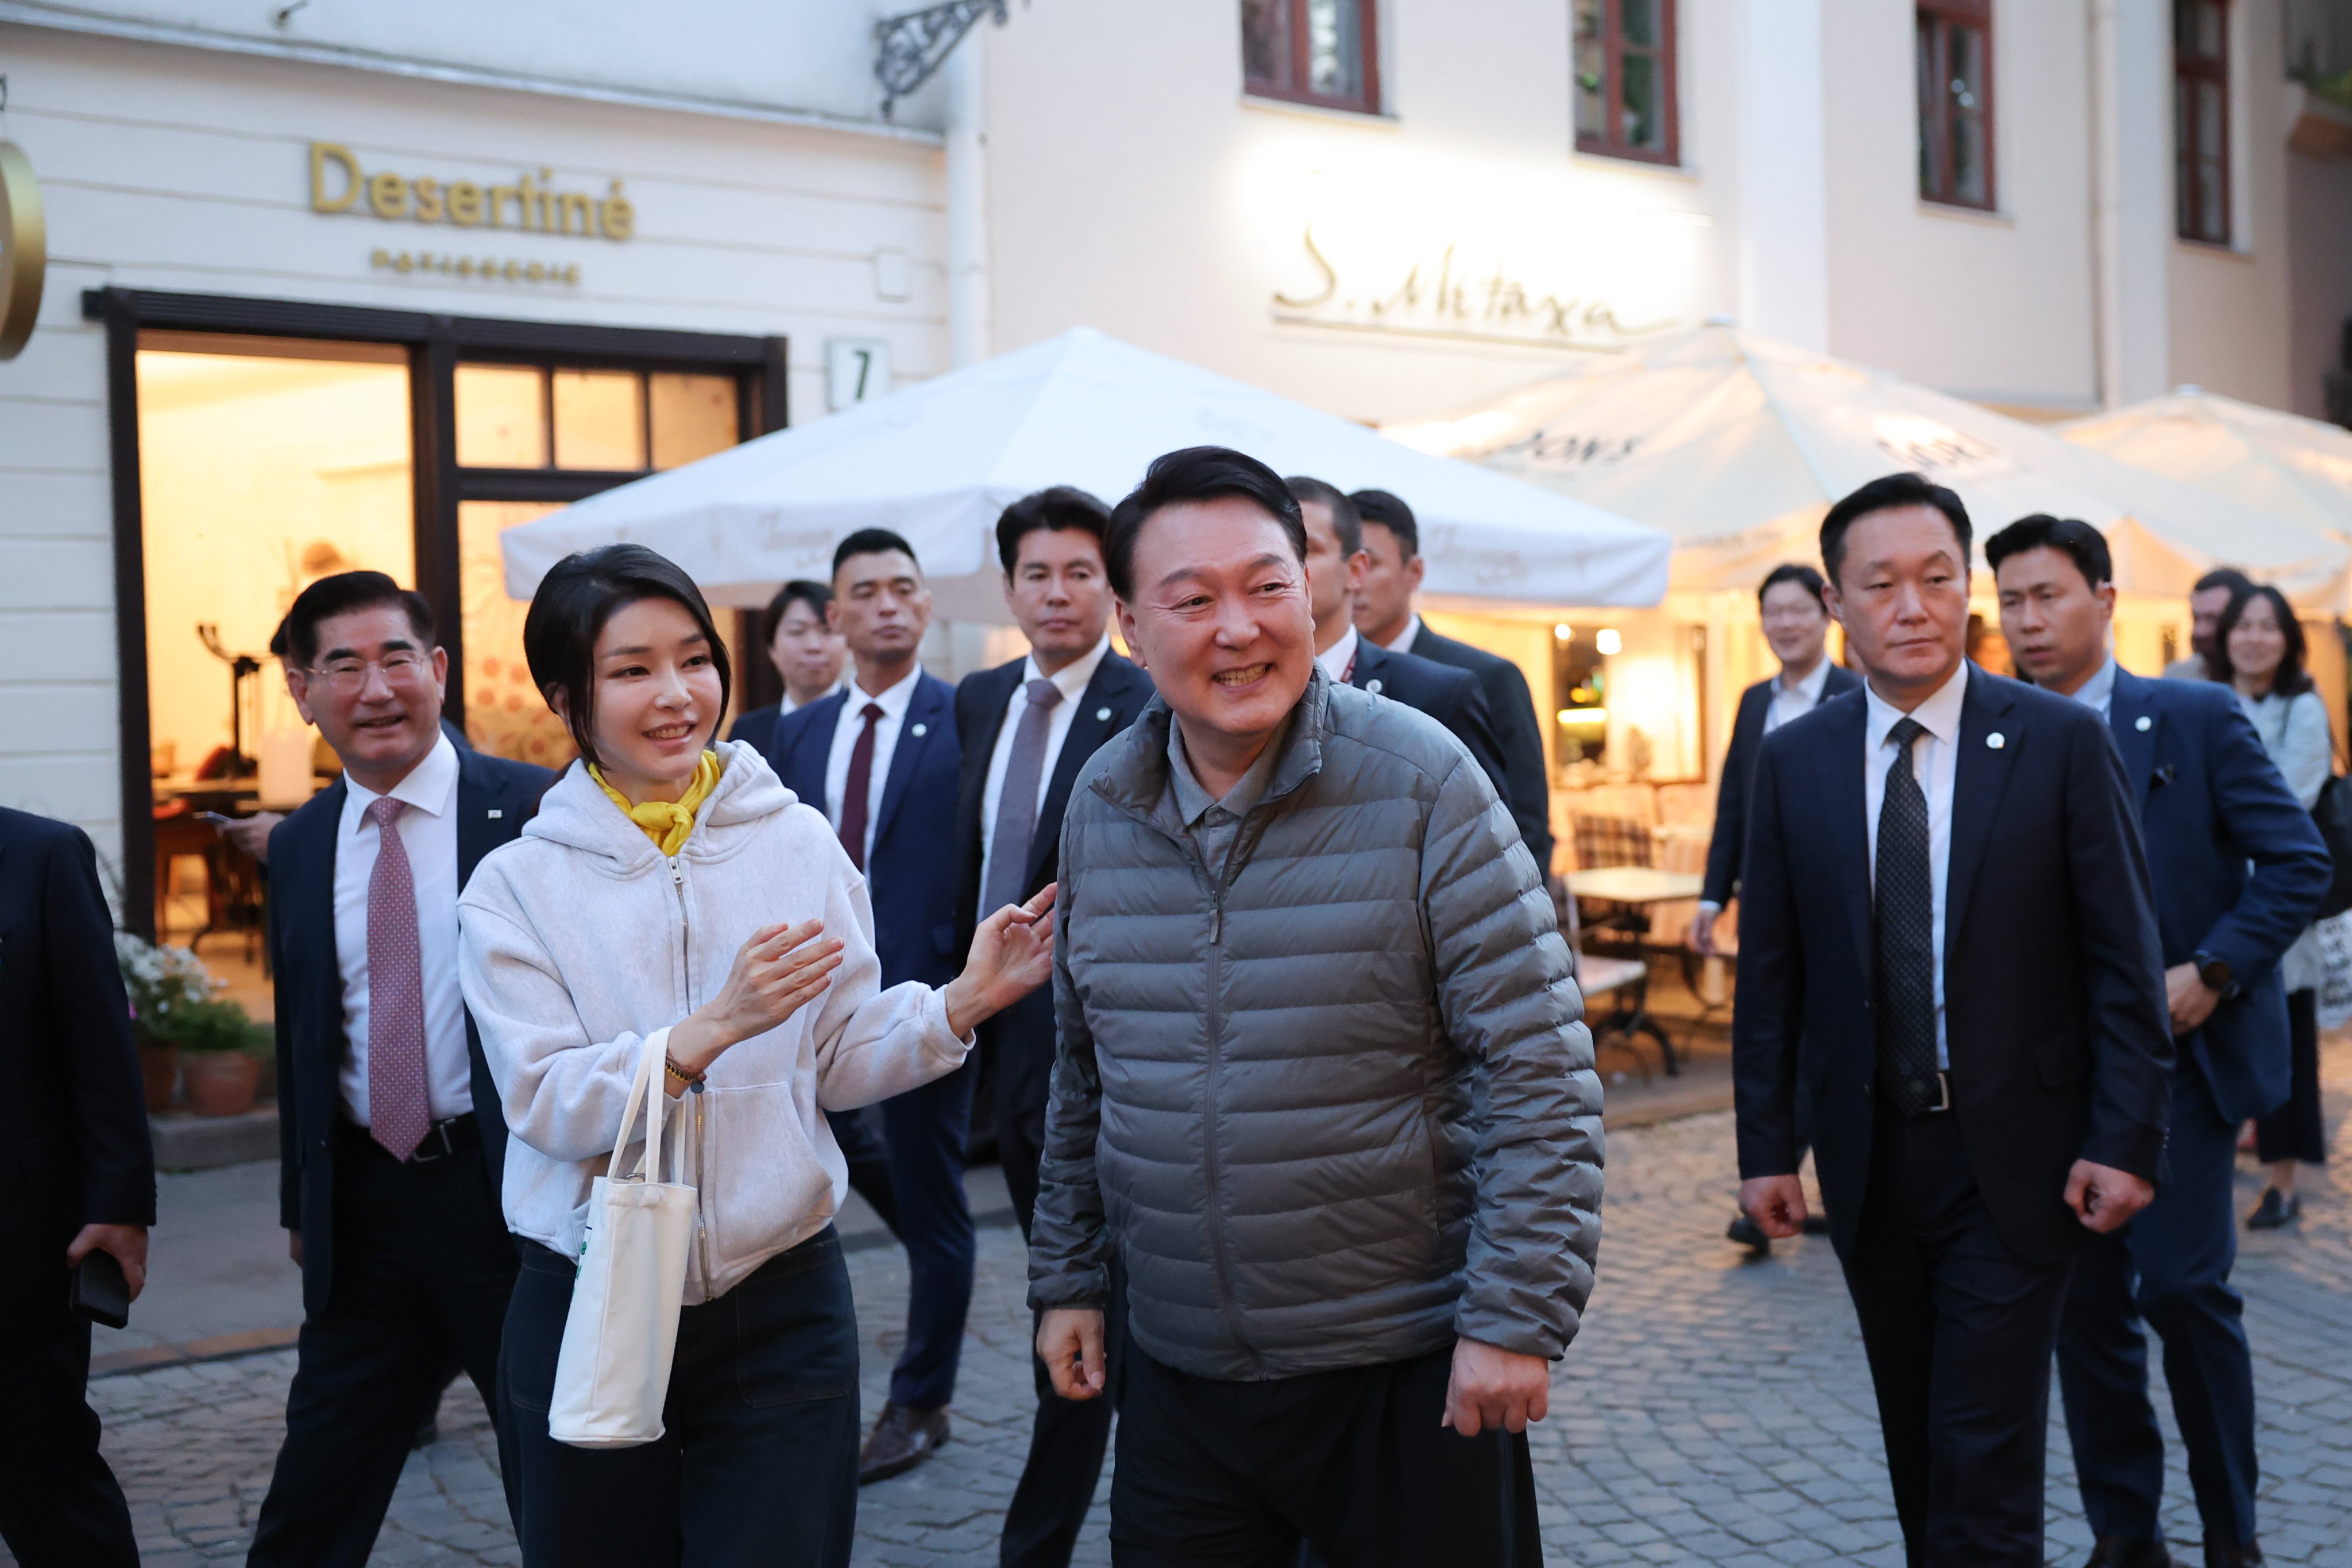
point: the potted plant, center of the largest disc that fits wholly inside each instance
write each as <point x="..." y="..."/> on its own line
<point x="160" y="981"/>
<point x="220" y="1059"/>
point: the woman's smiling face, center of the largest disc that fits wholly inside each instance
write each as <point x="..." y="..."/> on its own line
<point x="657" y="698"/>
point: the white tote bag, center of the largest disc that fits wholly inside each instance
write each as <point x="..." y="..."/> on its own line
<point x="612" y="1376"/>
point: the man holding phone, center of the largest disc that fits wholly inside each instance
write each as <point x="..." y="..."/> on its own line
<point x="76" y="1230"/>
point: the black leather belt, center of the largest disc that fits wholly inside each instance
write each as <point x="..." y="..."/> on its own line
<point x="442" y="1138"/>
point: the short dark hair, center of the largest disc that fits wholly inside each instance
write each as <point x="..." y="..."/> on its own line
<point x="873" y="541"/>
<point x="2292" y="678"/>
<point x="2228" y="577"/>
<point x="1055" y="507"/>
<point x="297" y="634"/>
<point x="1796" y="571"/>
<point x="1886" y="494"/>
<point x="1390" y="512"/>
<point x="799" y="591"/>
<point x="1346" y="521"/>
<point x="1195" y="474"/>
<point x="577" y="596"/>
<point x="2081" y="543"/>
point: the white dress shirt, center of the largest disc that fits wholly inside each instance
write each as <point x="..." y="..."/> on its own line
<point x="1403" y="642"/>
<point x="1934" y="763"/>
<point x="1340" y="657"/>
<point x="785" y="704"/>
<point x="2099" y="691"/>
<point x="1072" y="679"/>
<point x="1795" y="701"/>
<point x="893" y="704"/>
<point x="428" y="831"/>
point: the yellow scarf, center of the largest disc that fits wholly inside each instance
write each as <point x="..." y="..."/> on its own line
<point x="667" y="823"/>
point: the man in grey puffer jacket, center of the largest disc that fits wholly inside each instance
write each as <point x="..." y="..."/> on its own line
<point x="1321" y="1082"/>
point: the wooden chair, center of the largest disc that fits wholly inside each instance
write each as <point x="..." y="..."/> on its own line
<point x="1626" y="981"/>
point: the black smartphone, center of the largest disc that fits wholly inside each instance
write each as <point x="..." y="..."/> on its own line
<point x="99" y="1292"/>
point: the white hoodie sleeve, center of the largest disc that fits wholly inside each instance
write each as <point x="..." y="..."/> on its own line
<point x="871" y="1044"/>
<point x="561" y="1090"/>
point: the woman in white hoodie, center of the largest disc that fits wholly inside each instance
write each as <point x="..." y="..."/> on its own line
<point x="667" y="890"/>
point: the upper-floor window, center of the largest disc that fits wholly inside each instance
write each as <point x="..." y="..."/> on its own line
<point x="1626" y="78"/>
<point x="1323" y="52"/>
<point x="1956" y="101"/>
<point x="2200" y="119"/>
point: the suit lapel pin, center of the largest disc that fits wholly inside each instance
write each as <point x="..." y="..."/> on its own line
<point x="495" y="813"/>
<point x="2143" y="723"/>
<point x="1996" y="740"/>
<point x="920" y="730"/>
<point x="2164" y="776"/>
<point x="1373" y="686"/>
<point x="1102" y="715"/>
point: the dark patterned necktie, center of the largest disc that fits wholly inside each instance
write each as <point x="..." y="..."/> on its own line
<point x="857" y="786"/>
<point x="399" y="1104"/>
<point x="1906" y="936"/>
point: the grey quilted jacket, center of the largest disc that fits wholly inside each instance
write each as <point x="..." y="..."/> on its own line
<point x="1337" y="1107"/>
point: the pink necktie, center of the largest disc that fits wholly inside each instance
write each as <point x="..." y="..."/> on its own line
<point x="398" y="1112"/>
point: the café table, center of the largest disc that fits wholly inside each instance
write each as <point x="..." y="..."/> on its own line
<point x="1638" y="886"/>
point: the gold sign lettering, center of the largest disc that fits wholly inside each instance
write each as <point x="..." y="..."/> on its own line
<point x="509" y="268"/>
<point x="337" y="184"/>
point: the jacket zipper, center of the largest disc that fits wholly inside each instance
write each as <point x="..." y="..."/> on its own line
<point x="1220" y="1264"/>
<point x="686" y="988"/>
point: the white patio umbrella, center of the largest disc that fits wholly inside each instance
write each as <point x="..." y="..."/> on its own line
<point x="940" y="461"/>
<point x="2293" y="467"/>
<point x="1735" y="445"/>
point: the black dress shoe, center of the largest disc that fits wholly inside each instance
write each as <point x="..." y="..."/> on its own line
<point x="2125" y="1551"/>
<point x="1748" y="1234"/>
<point x="1817" y="1225"/>
<point x="2276" y="1210"/>
<point x="903" y="1437"/>
<point x="2246" y="1553"/>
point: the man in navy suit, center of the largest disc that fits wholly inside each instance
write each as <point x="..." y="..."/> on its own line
<point x="1334" y="565"/>
<point x="1384" y="614"/>
<point x="84" y="1180"/>
<point x="1028" y="728"/>
<point x="2239" y="869"/>
<point x="1946" y="933"/>
<point x="880" y="759"/>
<point x="1797" y="625"/>
<point x="390" y="1141"/>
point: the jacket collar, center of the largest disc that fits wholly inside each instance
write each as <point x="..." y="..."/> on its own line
<point x="2136" y="718"/>
<point x="1135" y="780"/>
<point x="579" y="816"/>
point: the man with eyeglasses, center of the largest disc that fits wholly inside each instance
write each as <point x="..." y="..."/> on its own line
<point x="389" y="1138"/>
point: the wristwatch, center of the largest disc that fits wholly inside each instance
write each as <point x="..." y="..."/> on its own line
<point x="2216" y="973"/>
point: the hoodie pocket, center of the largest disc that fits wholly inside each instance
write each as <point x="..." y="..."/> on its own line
<point x="760" y="1176"/>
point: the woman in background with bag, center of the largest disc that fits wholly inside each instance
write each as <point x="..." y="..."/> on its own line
<point x="2259" y="649"/>
<point x="675" y="928"/>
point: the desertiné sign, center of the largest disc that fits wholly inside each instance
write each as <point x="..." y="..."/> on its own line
<point x="337" y="184"/>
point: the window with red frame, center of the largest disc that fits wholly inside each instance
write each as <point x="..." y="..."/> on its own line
<point x="1955" y="150"/>
<point x="1324" y="52"/>
<point x="2200" y="119"/>
<point x="1625" y="79"/>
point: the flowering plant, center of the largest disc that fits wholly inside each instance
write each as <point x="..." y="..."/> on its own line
<point x="163" y="983"/>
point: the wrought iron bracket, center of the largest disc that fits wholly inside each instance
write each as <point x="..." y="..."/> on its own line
<point x="910" y="47"/>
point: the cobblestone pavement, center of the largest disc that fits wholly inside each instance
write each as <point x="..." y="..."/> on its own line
<point x="1714" y="1410"/>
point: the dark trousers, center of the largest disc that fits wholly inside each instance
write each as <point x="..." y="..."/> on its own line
<point x="925" y="1130"/>
<point x="60" y="1506"/>
<point x="423" y="1272"/>
<point x="869" y="1161"/>
<point x="1959" y="1330"/>
<point x="1070" y="1436"/>
<point x="1351" y="1463"/>
<point x="759" y="1463"/>
<point x="2295" y="1131"/>
<point x="2170" y="1267"/>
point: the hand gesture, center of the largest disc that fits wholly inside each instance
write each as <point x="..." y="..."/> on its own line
<point x="1012" y="954"/>
<point x="1493" y="1387"/>
<point x="777" y="972"/>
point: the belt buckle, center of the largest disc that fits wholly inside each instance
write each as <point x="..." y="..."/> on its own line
<point x="439" y="1129"/>
<point x="1944" y="1094"/>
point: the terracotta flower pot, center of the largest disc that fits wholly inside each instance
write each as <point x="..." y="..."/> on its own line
<point x="220" y="1083"/>
<point x="159" y="1071"/>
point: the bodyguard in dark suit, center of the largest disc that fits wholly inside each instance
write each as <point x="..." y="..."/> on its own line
<point x="880" y="759"/>
<point x="2239" y="867"/>
<point x="1946" y="933"/>
<point x="1335" y="564"/>
<point x="75" y="1123"/>
<point x="1384" y="614"/>
<point x="807" y="653"/>
<point x="1028" y="728"/>
<point x="389" y="1137"/>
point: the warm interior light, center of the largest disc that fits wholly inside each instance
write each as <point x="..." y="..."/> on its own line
<point x="1607" y="642"/>
<point x="1584" y="715"/>
<point x="1563" y="631"/>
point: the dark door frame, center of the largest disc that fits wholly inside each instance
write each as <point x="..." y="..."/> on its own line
<point x="436" y="344"/>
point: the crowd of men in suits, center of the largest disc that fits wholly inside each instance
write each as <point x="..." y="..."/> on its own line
<point x="2008" y="958"/>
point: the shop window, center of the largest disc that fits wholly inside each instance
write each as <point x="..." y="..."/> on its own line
<point x="599" y="419"/>
<point x="1580" y="703"/>
<point x="1956" y="123"/>
<point x="2200" y="119"/>
<point x="1322" y="52"/>
<point x="505" y="714"/>
<point x="501" y="416"/>
<point x="693" y="417"/>
<point x="592" y="421"/>
<point x="1625" y="105"/>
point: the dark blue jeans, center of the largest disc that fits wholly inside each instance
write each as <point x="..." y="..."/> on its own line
<point x="759" y="1465"/>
